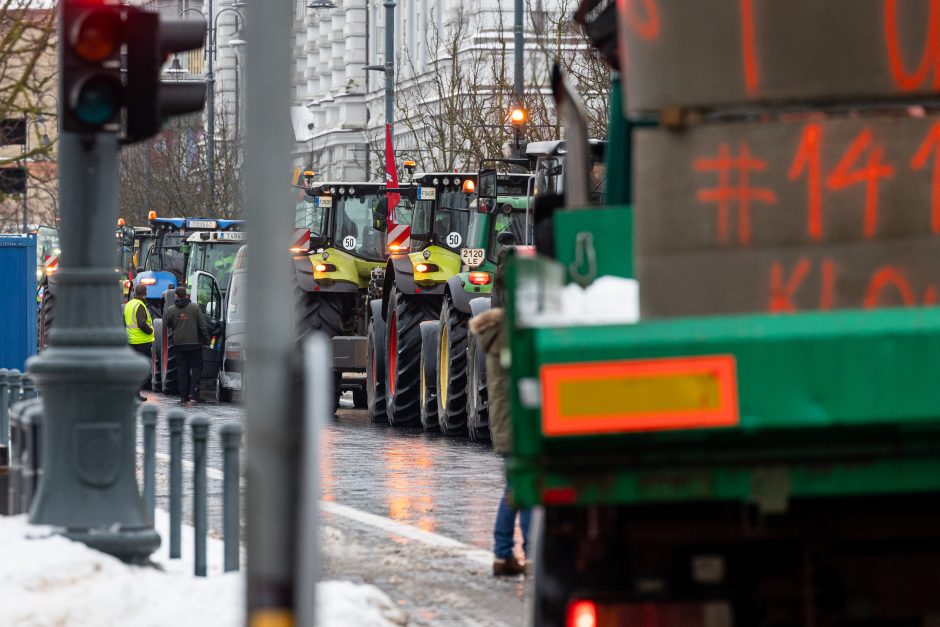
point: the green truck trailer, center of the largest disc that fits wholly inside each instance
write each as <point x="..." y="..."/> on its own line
<point x="763" y="447"/>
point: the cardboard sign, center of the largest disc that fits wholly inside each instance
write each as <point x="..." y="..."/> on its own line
<point x="712" y="53"/>
<point x="788" y="216"/>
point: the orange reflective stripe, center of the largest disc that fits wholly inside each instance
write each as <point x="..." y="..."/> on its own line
<point x="639" y="395"/>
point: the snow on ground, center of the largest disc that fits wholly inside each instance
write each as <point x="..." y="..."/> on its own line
<point x="47" y="580"/>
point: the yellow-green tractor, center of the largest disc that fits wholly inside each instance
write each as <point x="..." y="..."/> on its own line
<point x="332" y="274"/>
<point x="438" y="205"/>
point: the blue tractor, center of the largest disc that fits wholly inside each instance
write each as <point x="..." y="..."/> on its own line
<point x="177" y="248"/>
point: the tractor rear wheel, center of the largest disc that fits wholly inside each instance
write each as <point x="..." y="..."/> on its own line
<point x="375" y="371"/>
<point x="403" y="370"/>
<point x="478" y="413"/>
<point x="428" y="402"/>
<point x="46" y="319"/>
<point x="168" y="369"/>
<point x="452" y="370"/>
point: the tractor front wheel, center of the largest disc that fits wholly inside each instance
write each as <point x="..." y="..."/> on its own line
<point x="452" y="372"/>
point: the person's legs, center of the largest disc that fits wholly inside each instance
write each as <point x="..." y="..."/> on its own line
<point x="182" y="373"/>
<point x="144" y="351"/>
<point x="504" y="529"/>
<point x="195" y="370"/>
<point x="525" y="515"/>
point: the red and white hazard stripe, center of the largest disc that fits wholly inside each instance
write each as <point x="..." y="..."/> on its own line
<point x="399" y="237"/>
<point x="300" y="241"/>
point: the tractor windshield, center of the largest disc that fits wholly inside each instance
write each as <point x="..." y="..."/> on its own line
<point x="165" y="254"/>
<point x="354" y="231"/>
<point x="216" y="259"/>
<point x="309" y="213"/>
<point x="515" y="223"/>
<point x="443" y="221"/>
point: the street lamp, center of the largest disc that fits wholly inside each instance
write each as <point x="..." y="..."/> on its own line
<point x="235" y="43"/>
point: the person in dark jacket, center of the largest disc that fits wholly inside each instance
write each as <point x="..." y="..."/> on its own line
<point x="190" y="333"/>
<point x="139" y="328"/>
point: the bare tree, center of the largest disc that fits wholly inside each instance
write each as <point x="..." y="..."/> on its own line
<point x="27" y="80"/>
<point x="169" y="174"/>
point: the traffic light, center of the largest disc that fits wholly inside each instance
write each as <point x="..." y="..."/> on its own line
<point x="91" y="67"/>
<point x="150" y="100"/>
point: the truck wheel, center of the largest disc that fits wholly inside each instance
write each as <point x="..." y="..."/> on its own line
<point x="155" y="369"/>
<point x="222" y="393"/>
<point x="553" y="564"/>
<point x="319" y="311"/>
<point x="403" y="369"/>
<point x="478" y="411"/>
<point x="46" y="319"/>
<point x="428" y="403"/>
<point x="375" y="371"/>
<point x="452" y="370"/>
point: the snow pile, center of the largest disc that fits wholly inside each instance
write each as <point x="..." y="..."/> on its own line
<point x="608" y="300"/>
<point x="47" y="580"/>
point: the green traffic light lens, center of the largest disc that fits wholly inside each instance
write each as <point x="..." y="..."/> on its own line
<point x="97" y="100"/>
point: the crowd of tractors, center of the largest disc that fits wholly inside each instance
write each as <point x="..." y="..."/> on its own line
<point x="397" y="301"/>
<point x="392" y="275"/>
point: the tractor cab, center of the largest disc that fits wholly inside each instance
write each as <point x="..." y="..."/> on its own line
<point x="213" y="252"/>
<point x="341" y="216"/>
<point x="503" y="215"/>
<point x="440" y="210"/>
<point x="162" y="262"/>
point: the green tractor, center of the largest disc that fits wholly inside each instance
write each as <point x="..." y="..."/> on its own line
<point x="332" y="278"/>
<point x="437" y="206"/>
<point x="458" y="384"/>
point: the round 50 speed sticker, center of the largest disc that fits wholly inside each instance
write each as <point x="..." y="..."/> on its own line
<point x="349" y="242"/>
<point x="454" y="239"/>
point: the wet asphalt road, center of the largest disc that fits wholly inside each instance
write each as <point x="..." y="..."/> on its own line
<point x="446" y="486"/>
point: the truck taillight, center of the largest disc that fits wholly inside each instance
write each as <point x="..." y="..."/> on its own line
<point x="479" y="278"/>
<point x="581" y="613"/>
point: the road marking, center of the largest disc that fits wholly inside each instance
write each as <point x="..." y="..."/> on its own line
<point x="388" y="525"/>
<point x="383" y="523"/>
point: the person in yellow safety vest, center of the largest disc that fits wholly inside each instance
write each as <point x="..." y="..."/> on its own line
<point x="139" y="328"/>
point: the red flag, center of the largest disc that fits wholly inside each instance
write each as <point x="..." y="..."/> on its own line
<point x="398" y="234"/>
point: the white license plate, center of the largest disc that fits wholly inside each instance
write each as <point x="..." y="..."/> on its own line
<point x="232" y="235"/>
<point x="472" y="257"/>
<point x="202" y="224"/>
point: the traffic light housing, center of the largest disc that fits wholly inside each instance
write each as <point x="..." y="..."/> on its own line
<point x="150" y="100"/>
<point x="95" y="87"/>
<point x="92" y="36"/>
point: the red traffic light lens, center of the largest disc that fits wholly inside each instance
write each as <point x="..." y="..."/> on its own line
<point x="96" y="35"/>
<point x="97" y="100"/>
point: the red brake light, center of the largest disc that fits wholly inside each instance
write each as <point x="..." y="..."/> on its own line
<point x="581" y="613"/>
<point x="563" y="495"/>
<point x="479" y="278"/>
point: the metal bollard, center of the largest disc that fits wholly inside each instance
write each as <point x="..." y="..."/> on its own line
<point x="176" y="419"/>
<point x="14" y="381"/>
<point x="231" y="493"/>
<point x="200" y="427"/>
<point x="148" y="417"/>
<point x="28" y="389"/>
<point x="4" y="443"/>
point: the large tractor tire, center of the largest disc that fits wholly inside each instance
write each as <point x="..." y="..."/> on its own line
<point x="319" y="311"/>
<point x="324" y="312"/>
<point x="403" y="368"/>
<point x="452" y="369"/>
<point x="156" y="367"/>
<point x="46" y="319"/>
<point x="428" y="403"/>
<point x="168" y="379"/>
<point x="478" y="412"/>
<point x="375" y="371"/>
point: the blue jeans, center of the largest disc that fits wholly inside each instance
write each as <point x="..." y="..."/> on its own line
<point x="504" y="530"/>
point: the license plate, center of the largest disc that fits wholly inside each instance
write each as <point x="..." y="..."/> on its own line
<point x="232" y="235"/>
<point x="472" y="257"/>
<point x="202" y="224"/>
